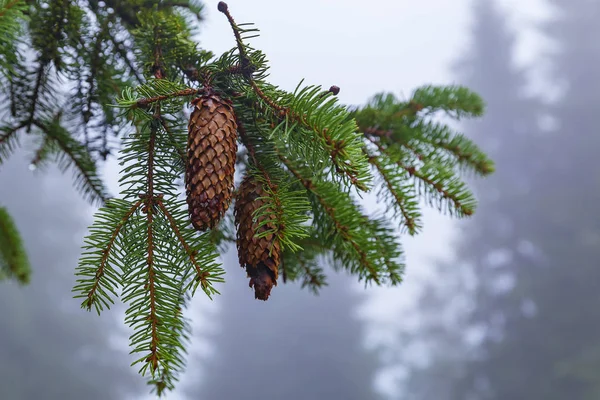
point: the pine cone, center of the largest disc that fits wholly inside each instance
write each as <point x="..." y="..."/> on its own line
<point x="212" y="147"/>
<point x="260" y="256"/>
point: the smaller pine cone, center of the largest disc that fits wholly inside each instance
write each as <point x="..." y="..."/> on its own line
<point x="212" y="147"/>
<point x="260" y="256"/>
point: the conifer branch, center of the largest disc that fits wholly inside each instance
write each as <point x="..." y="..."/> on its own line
<point x="284" y="209"/>
<point x="200" y="275"/>
<point x="91" y="294"/>
<point x="7" y="8"/>
<point x="338" y="149"/>
<point x="339" y="136"/>
<point x="252" y="153"/>
<point x="463" y="202"/>
<point x="342" y="230"/>
<point x="313" y="278"/>
<point x="304" y="155"/>
<point x="149" y="210"/>
<point x="410" y="218"/>
<point x="76" y="155"/>
<point x="123" y="53"/>
<point x="42" y="151"/>
<point x="35" y="95"/>
<point x="147" y="101"/>
<point x="13" y="257"/>
<point x="9" y="140"/>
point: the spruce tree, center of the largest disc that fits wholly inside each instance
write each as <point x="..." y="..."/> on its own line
<point x="536" y="263"/>
<point x="466" y="297"/>
<point x="88" y="79"/>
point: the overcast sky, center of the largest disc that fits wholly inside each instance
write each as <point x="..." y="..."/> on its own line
<point x="364" y="48"/>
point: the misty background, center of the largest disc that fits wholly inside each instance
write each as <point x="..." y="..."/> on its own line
<point x="500" y="306"/>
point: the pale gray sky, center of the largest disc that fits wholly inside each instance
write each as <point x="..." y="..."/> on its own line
<point x="366" y="47"/>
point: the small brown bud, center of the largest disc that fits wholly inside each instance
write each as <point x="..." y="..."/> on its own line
<point x="334" y="89"/>
<point x="222" y="6"/>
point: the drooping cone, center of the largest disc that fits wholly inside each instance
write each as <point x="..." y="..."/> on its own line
<point x="260" y="256"/>
<point x="212" y="147"/>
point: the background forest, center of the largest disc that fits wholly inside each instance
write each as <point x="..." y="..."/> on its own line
<point x="502" y="306"/>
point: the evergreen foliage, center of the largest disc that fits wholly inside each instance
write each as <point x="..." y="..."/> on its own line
<point x="88" y="78"/>
<point x="13" y="258"/>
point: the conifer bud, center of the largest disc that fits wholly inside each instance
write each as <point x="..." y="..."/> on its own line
<point x="222" y="6"/>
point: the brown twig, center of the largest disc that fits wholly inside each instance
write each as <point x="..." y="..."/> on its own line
<point x="246" y="65"/>
<point x="142" y="103"/>
<point x="148" y="208"/>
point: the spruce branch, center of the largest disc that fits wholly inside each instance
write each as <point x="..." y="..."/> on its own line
<point x="304" y="265"/>
<point x="41" y="154"/>
<point x="200" y="274"/>
<point x="316" y="110"/>
<point x="344" y="231"/>
<point x="439" y="184"/>
<point x="306" y="157"/>
<point x="12" y="13"/>
<point x="73" y="154"/>
<point x="14" y="262"/>
<point x="403" y="196"/>
<point x="455" y="101"/>
<point x="35" y="95"/>
<point x="97" y="265"/>
<point x="9" y="140"/>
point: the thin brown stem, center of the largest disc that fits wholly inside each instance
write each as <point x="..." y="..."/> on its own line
<point x="149" y="100"/>
<point x="246" y="65"/>
<point x="151" y="284"/>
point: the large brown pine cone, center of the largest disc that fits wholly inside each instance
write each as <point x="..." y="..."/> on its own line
<point x="260" y="256"/>
<point x="212" y="147"/>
